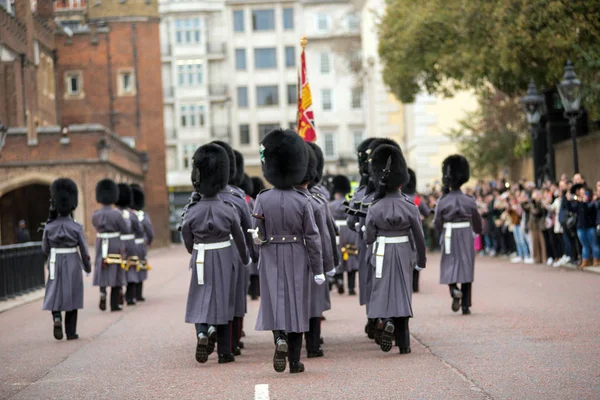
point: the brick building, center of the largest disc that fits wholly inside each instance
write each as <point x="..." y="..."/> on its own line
<point x="90" y="107"/>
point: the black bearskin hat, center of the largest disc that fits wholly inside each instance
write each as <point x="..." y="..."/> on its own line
<point x="257" y="186"/>
<point x="64" y="192"/>
<point x="398" y="170"/>
<point x="284" y="158"/>
<point x="410" y="187"/>
<point x="139" y="198"/>
<point x="341" y="184"/>
<point x="311" y="169"/>
<point x="239" y="168"/>
<point x="373" y="145"/>
<point x="455" y="171"/>
<point x="320" y="162"/>
<point x="107" y="192"/>
<point x="247" y="185"/>
<point x="125" y="196"/>
<point x="211" y="169"/>
<point x="231" y="159"/>
<point x="362" y="155"/>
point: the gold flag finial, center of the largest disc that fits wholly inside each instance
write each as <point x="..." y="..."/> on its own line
<point x="303" y="42"/>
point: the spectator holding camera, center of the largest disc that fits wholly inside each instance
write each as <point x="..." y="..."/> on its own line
<point x="580" y="201"/>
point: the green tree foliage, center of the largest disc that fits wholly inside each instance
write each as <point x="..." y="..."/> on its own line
<point x="493" y="136"/>
<point x="426" y="44"/>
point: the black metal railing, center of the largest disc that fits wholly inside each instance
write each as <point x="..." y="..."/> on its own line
<point x="21" y="269"/>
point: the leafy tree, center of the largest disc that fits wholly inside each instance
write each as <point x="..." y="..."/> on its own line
<point x="445" y="45"/>
<point x="493" y="136"/>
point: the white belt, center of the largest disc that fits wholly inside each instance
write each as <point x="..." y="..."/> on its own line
<point x="380" y="252"/>
<point x="140" y="241"/>
<point x="448" y="233"/>
<point x="341" y="222"/>
<point x="201" y="248"/>
<point x="130" y="236"/>
<point x="337" y="240"/>
<point x="53" y="252"/>
<point x="105" y="238"/>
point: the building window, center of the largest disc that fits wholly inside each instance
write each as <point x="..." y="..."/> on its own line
<point x="352" y="22"/>
<point x="357" y="98"/>
<point x="325" y="63"/>
<point x="326" y="99"/>
<point x="242" y="95"/>
<point x="357" y="138"/>
<point x="265" y="58"/>
<point x="292" y="94"/>
<point x="126" y="82"/>
<point x="329" y="144"/>
<point x="188" y="154"/>
<point x="244" y="134"/>
<point x="322" y="22"/>
<point x="290" y="57"/>
<point x="263" y="20"/>
<point x="240" y="59"/>
<point x="288" y="19"/>
<point x="192" y="115"/>
<point x="238" y="21"/>
<point x="187" y="31"/>
<point x="267" y="96"/>
<point x="171" y="158"/>
<point x="264" y="129"/>
<point x="73" y="84"/>
<point x="189" y="73"/>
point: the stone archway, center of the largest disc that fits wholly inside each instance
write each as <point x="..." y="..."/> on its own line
<point x="28" y="203"/>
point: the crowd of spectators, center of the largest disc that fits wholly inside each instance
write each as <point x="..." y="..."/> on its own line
<point x="557" y="223"/>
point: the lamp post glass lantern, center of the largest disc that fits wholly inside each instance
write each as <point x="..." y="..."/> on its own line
<point x="533" y="103"/>
<point x="570" y="91"/>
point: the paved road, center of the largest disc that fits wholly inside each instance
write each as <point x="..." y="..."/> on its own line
<point x="534" y="334"/>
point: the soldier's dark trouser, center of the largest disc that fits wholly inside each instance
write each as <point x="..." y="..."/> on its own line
<point x="351" y="280"/>
<point x="402" y="332"/>
<point x="294" y="341"/>
<point x="130" y="294"/>
<point x="236" y="332"/>
<point x="114" y="295"/>
<point x="138" y="290"/>
<point x="415" y="281"/>
<point x="254" y="290"/>
<point x="70" y="321"/>
<point x="313" y="336"/>
<point x="465" y="288"/>
<point x="223" y="336"/>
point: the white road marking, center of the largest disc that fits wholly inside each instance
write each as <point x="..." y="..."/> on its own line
<point x="261" y="392"/>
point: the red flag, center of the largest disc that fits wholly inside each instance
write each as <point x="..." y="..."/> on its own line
<point x="305" y="124"/>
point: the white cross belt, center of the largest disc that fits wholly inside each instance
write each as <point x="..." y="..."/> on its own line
<point x="448" y="233"/>
<point x="341" y="222"/>
<point x="53" y="252"/>
<point x="140" y="241"/>
<point x="201" y="248"/>
<point x="380" y="252"/>
<point x="106" y="236"/>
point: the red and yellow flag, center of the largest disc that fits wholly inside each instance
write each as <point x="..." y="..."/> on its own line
<point x="305" y="123"/>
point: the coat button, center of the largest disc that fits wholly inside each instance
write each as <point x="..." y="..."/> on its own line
<point x="271" y="238"/>
<point x="294" y="238"/>
<point x="283" y="239"/>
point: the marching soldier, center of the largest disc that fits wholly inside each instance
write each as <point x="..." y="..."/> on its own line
<point x="410" y="190"/>
<point x="64" y="243"/>
<point x="391" y="295"/>
<point x="110" y="225"/>
<point x="347" y="237"/>
<point x="457" y="216"/>
<point x="206" y="232"/>
<point x="145" y="241"/>
<point x="129" y="247"/>
<point x="290" y="251"/>
<point x="319" y="297"/>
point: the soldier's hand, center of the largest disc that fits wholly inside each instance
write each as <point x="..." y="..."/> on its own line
<point x="320" y="279"/>
<point x="332" y="272"/>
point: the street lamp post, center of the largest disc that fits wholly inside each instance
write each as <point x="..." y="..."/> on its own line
<point x="532" y="103"/>
<point x="570" y="91"/>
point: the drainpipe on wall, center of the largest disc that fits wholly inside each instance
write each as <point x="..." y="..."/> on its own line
<point x="137" y="86"/>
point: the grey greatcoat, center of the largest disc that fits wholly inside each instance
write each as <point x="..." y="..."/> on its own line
<point x="459" y="265"/>
<point x="65" y="291"/>
<point x="322" y="190"/>
<point x="394" y="216"/>
<point x="130" y="247"/>
<point x="233" y="195"/>
<point x="353" y="222"/>
<point x="347" y="237"/>
<point x="289" y="258"/>
<point x="108" y="220"/>
<point x="212" y="220"/>
<point x="146" y="225"/>
<point x="320" y="300"/>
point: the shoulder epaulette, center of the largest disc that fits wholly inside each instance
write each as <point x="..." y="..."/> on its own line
<point x="409" y="200"/>
<point x="262" y="191"/>
<point x="301" y="192"/>
<point x="236" y="194"/>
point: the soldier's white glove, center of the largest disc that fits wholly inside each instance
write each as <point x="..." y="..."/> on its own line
<point x="332" y="272"/>
<point x="248" y="263"/>
<point x="320" y="279"/>
<point x="419" y="268"/>
<point x="255" y="238"/>
<point x="364" y="228"/>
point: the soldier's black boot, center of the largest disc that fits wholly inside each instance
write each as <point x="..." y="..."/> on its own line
<point x="130" y="294"/>
<point x="370" y="328"/>
<point x="465" y="288"/>
<point x="202" y="347"/>
<point x="313" y="338"/>
<point x="236" y="330"/>
<point x="456" y="296"/>
<point x="281" y="351"/>
<point x="71" y="325"/>
<point x="224" y="344"/>
<point x="387" y="335"/>
<point x="378" y="330"/>
<point x="138" y="292"/>
<point x="295" y="348"/>
<point x="115" y="293"/>
<point x="57" y="318"/>
<point x="103" y="298"/>
<point x="339" y="282"/>
<point x="402" y="334"/>
<point x="352" y="283"/>
<point x="212" y="338"/>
